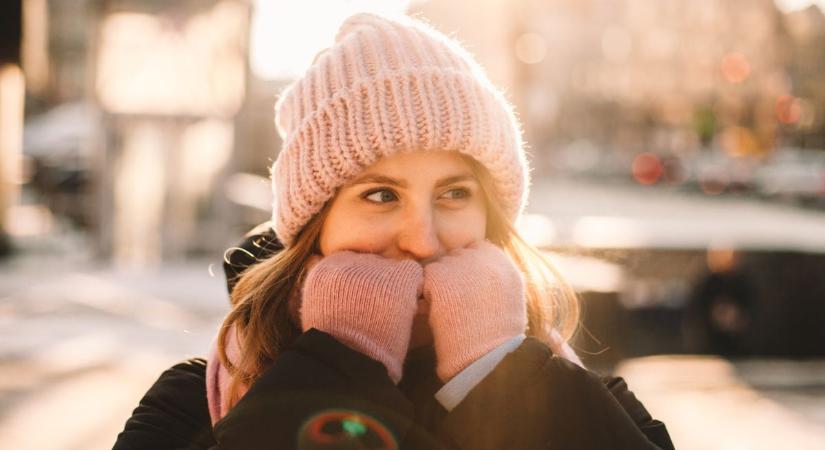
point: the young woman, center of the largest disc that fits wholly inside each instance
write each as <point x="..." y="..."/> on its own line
<point x="391" y="304"/>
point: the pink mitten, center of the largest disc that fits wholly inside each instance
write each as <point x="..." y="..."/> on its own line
<point x="477" y="302"/>
<point x="365" y="301"/>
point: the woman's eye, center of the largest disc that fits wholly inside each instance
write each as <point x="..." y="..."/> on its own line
<point x="456" y="194"/>
<point x="381" y="196"/>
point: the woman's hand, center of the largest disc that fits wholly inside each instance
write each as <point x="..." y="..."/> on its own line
<point x="365" y="301"/>
<point x="476" y="296"/>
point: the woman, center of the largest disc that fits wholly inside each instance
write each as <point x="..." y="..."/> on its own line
<point x="392" y="304"/>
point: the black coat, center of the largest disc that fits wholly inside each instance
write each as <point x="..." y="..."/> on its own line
<point x="321" y="394"/>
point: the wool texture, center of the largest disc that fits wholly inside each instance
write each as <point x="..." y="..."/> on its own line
<point x="218" y="378"/>
<point x="365" y="301"/>
<point x="388" y="85"/>
<point x="476" y="297"/>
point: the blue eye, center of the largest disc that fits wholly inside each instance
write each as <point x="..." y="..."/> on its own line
<point x="380" y="196"/>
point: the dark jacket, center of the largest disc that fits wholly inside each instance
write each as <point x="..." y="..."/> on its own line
<point x="320" y="394"/>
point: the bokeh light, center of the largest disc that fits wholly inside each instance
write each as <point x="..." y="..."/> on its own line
<point x="531" y="48"/>
<point x="740" y="141"/>
<point x="788" y="109"/>
<point x="721" y="258"/>
<point x="286" y="35"/>
<point x="735" y="68"/>
<point x="647" y="168"/>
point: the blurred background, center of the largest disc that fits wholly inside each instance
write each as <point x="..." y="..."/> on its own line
<point x="678" y="149"/>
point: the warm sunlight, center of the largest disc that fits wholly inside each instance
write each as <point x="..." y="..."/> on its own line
<point x="286" y="35"/>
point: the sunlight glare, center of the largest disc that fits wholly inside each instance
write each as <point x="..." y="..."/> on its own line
<point x="286" y="35"/>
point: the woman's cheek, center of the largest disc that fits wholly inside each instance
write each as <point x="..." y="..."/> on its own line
<point x="363" y="236"/>
<point x="373" y="234"/>
<point x="460" y="230"/>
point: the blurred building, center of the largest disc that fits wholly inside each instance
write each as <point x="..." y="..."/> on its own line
<point x="667" y="77"/>
<point x="132" y="107"/>
<point x="597" y="79"/>
<point x="170" y="79"/>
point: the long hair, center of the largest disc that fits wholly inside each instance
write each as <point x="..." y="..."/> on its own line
<point x="260" y="301"/>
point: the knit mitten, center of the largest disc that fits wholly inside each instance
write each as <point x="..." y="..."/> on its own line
<point x="477" y="302"/>
<point x="365" y="301"/>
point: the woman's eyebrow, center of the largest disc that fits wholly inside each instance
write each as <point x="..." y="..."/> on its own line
<point x="455" y="179"/>
<point x="377" y="179"/>
<point x="372" y="178"/>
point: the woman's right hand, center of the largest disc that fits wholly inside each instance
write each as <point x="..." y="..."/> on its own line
<point x="477" y="302"/>
<point x="365" y="301"/>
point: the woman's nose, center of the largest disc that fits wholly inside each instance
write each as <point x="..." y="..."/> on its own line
<point x="418" y="235"/>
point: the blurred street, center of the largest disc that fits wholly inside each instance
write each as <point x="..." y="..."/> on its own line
<point x="79" y="346"/>
<point x="623" y="215"/>
<point x="750" y="404"/>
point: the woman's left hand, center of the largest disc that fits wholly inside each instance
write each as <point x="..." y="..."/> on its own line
<point x="477" y="302"/>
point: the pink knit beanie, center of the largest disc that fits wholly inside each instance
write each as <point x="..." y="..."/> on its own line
<point x="388" y="85"/>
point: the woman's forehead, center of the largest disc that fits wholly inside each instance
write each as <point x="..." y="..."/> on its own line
<point x="417" y="165"/>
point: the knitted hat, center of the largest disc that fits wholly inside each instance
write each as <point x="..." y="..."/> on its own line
<point x="388" y="85"/>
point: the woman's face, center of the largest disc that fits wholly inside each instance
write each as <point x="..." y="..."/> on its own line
<point x="417" y="205"/>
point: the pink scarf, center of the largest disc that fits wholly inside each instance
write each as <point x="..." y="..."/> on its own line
<point x="218" y="378"/>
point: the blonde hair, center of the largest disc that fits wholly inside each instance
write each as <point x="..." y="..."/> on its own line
<point x="260" y="300"/>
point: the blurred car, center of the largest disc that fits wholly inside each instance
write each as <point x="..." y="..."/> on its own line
<point x="713" y="172"/>
<point x="58" y="147"/>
